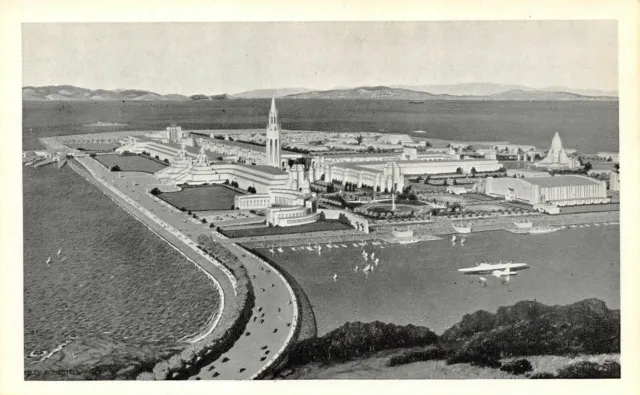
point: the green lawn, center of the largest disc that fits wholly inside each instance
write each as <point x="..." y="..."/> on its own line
<point x="131" y="163"/>
<point x="202" y="198"/>
<point x="314" y="227"/>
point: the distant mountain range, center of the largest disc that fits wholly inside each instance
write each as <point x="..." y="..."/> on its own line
<point x="470" y="91"/>
<point x="72" y="93"/>
<point x="487" y="89"/>
<point x="384" y="92"/>
<point x="269" y="93"/>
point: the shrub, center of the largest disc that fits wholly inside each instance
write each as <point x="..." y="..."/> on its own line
<point x="543" y="375"/>
<point x="518" y="366"/>
<point x="475" y="359"/>
<point x="590" y="370"/>
<point x="429" y="354"/>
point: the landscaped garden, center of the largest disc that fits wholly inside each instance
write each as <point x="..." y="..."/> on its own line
<point x="130" y="163"/>
<point x="200" y="198"/>
<point x="321" y="226"/>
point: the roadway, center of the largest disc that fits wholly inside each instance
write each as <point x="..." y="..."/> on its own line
<point x="274" y="318"/>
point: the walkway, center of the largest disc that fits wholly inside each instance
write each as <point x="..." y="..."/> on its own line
<point x="274" y="320"/>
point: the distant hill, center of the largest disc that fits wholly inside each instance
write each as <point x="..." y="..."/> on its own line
<point x="366" y="92"/>
<point x="73" y="93"/>
<point x="465" y="89"/>
<point x="269" y="93"/>
<point x="475" y="91"/>
<point x="384" y="92"/>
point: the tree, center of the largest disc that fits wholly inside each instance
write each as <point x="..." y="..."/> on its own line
<point x="115" y="168"/>
<point x="166" y="161"/>
<point x="459" y="170"/>
<point x="428" y="144"/>
<point x="359" y="139"/>
<point x="473" y="171"/>
<point x="92" y="155"/>
<point x="445" y="183"/>
<point x="617" y="167"/>
<point x="587" y="167"/>
<point x="322" y="216"/>
<point x="155" y="191"/>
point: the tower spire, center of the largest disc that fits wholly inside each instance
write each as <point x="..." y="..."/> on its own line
<point x="273" y="136"/>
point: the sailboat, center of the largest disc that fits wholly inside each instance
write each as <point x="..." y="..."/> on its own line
<point x="373" y="254"/>
<point x="49" y="260"/>
<point x="356" y="269"/>
<point x="59" y="251"/>
<point x="335" y="277"/>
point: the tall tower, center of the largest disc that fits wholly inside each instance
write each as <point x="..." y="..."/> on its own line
<point x="273" y="137"/>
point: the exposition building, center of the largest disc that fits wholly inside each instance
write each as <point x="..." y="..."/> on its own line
<point x="558" y="190"/>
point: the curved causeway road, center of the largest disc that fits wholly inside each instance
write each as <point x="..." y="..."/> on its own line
<point x="274" y="319"/>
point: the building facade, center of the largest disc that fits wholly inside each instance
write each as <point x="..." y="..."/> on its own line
<point x="556" y="190"/>
<point x="273" y="140"/>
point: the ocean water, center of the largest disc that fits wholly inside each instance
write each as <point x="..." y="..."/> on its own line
<point x="419" y="283"/>
<point x="114" y="279"/>
<point x="586" y="126"/>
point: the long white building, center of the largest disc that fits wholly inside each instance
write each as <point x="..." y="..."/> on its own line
<point x="566" y="190"/>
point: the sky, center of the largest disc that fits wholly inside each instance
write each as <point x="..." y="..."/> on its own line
<point x="213" y="58"/>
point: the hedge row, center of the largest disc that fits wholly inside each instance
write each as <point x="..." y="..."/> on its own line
<point x="231" y="326"/>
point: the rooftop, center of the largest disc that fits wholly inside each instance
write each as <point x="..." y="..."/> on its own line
<point x="561" y="181"/>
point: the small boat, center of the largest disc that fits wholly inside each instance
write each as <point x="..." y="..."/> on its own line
<point x="453" y="238"/>
<point x="271" y="250"/>
<point x="373" y="254"/>
<point x="356" y="245"/>
<point x="343" y="245"/>
<point x="49" y="260"/>
<point x="356" y="269"/>
<point x="335" y="277"/>
<point x="59" y="251"/>
<point x="377" y="261"/>
<point x="280" y="250"/>
<point x="309" y="248"/>
<point x="367" y="269"/>
<point x="293" y="248"/>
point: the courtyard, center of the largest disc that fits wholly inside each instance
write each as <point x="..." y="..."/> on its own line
<point x="130" y="163"/>
<point x="201" y="198"/>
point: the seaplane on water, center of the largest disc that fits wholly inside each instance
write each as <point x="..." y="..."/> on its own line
<point x="502" y="270"/>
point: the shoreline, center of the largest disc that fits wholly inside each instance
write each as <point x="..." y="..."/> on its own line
<point x="435" y="229"/>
